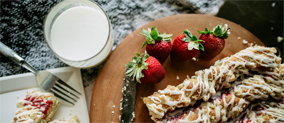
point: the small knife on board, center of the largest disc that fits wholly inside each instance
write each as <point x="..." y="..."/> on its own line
<point x="128" y="100"/>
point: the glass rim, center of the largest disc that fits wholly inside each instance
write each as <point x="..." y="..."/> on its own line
<point x="45" y="36"/>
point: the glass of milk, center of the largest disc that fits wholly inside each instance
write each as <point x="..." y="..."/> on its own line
<point x="79" y="33"/>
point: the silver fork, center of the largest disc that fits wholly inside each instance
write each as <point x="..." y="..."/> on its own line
<point x="45" y="79"/>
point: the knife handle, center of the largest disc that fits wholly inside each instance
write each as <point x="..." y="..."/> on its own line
<point x="6" y="51"/>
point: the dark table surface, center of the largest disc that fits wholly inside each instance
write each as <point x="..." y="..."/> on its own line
<point x="262" y="18"/>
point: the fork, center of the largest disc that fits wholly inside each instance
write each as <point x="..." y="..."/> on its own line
<point x="45" y="79"/>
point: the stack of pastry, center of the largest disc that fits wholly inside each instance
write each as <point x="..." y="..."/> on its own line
<point x="268" y="82"/>
<point x="36" y="107"/>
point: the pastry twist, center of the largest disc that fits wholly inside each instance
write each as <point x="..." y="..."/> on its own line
<point x="206" y="82"/>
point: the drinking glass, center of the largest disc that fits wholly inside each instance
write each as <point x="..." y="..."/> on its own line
<point x="105" y="45"/>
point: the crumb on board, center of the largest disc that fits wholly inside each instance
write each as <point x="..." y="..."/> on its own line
<point x="177" y="77"/>
<point x="245" y="42"/>
<point x="239" y="38"/>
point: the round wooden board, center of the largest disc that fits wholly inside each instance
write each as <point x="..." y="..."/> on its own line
<point x="108" y="86"/>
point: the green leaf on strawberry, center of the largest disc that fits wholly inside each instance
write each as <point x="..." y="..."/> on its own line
<point x="226" y="34"/>
<point x="136" y="66"/>
<point x="217" y="31"/>
<point x="193" y="42"/>
<point x="192" y="45"/>
<point x="195" y="45"/>
<point x="207" y="31"/>
<point x="146" y="34"/>
<point x="194" y="38"/>
<point x="221" y="31"/>
<point x="153" y="35"/>
<point x="187" y="34"/>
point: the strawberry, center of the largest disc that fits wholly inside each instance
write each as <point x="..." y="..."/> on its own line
<point x="158" y="45"/>
<point x="145" y="70"/>
<point x="213" y="41"/>
<point x="185" y="47"/>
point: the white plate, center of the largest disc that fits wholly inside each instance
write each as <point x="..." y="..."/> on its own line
<point x="14" y="87"/>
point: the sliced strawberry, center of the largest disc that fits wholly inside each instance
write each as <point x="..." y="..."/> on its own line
<point x="214" y="41"/>
<point x="145" y="69"/>
<point x="185" y="47"/>
<point x="158" y="45"/>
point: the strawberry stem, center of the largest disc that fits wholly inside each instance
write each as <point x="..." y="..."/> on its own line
<point x="136" y="66"/>
<point x="193" y="41"/>
<point x="221" y="31"/>
<point x="153" y="35"/>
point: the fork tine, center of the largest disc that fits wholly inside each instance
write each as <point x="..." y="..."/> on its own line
<point x="57" y="85"/>
<point x="55" y="88"/>
<point x="63" y="83"/>
<point x="60" y="97"/>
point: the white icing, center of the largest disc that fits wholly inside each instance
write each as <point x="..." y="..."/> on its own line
<point x="28" y="114"/>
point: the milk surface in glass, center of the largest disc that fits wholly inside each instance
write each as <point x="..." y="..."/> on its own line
<point x="79" y="33"/>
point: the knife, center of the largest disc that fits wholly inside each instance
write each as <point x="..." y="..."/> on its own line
<point x="128" y="100"/>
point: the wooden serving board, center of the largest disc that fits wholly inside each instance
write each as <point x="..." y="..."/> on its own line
<point x="107" y="90"/>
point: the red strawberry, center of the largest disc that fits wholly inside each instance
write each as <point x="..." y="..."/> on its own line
<point x="185" y="47"/>
<point x="213" y="41"/>
<point x="158" y="45"/>
<point x="145" y="70"/>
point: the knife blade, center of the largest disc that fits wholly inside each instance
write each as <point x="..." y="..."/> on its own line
<point x="128" y="100"/>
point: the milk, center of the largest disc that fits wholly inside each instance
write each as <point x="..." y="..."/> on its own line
<point x="79" y="33"/>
